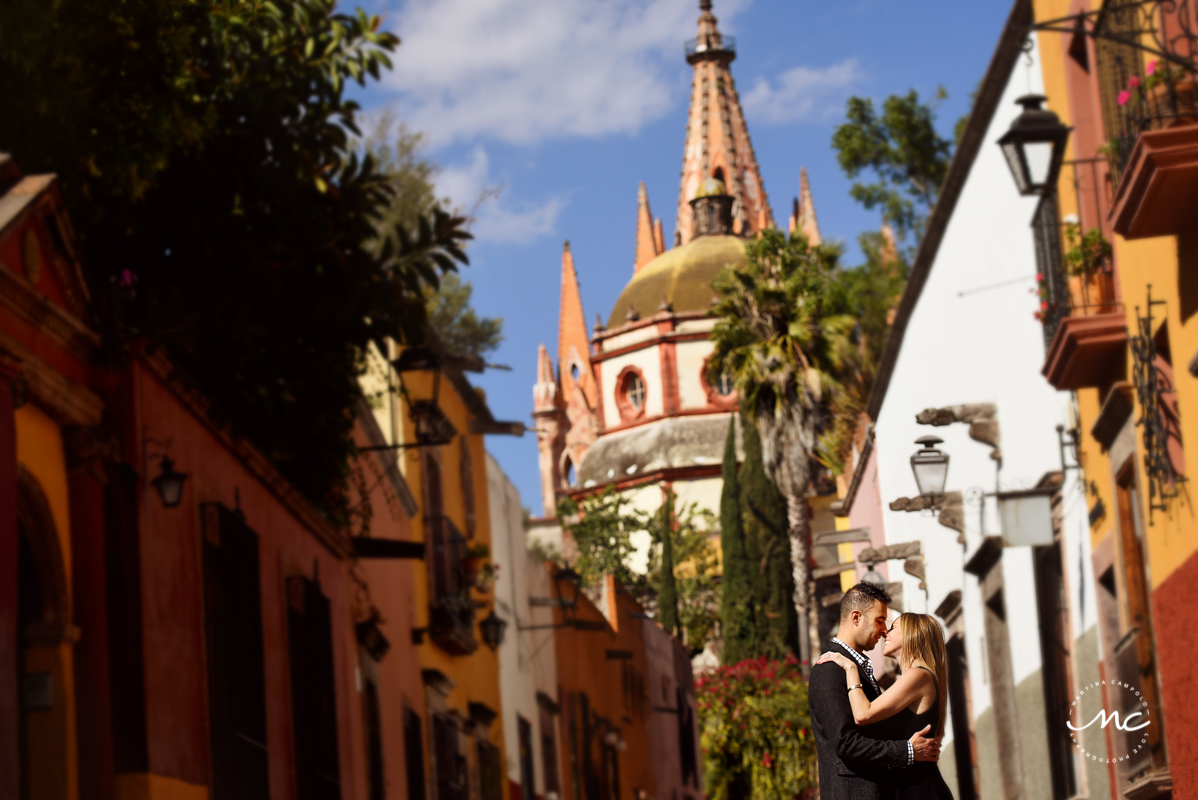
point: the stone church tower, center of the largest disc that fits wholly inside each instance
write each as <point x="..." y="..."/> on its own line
<point x="629" y="403"/>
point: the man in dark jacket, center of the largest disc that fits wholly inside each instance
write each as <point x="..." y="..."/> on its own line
<point x="856" y="763"/>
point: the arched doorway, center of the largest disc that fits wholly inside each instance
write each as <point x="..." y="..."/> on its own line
<point x="45" y="639"/>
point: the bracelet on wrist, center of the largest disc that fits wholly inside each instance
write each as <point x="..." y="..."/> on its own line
<point x="856" y="686"/>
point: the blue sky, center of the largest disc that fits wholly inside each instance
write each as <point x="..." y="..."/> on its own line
<point x="559" y="108"/>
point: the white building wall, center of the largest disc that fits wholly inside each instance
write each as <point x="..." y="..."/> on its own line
<point x="527" y="661"/>
<point x="973" y="339"/>
<point x="690" y="357"/>
<point x="648" y="361"/>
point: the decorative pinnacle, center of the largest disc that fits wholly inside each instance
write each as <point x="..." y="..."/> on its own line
<point x="705" y="5"/>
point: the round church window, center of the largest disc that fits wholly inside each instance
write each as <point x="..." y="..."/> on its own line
<point x="634" y="391"/>
<point x="724" y="386"/>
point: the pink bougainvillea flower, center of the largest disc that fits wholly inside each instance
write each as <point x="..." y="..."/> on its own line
<point x="1040" y="277"/>
<point x="1151" y="67"/>
<point x="1123" y="97"/>
<point x="1133" y="82"/>
<point x="1043" y="305"/>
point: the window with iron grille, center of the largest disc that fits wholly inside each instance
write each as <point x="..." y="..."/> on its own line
<point x="1053" y="282"/>
<point x="236" y="663"/>
<point x="448" y="762"/>
<point x="413" y="743"/>
<point x="313" y="691"/>
<point x="1159" y="420"/>
<point x="490" y="771"/>
<point x="1117" y="62"/>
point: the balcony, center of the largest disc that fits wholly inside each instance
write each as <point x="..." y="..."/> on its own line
<point x="1150" y="113"/>
<point x="451" y="611"/>
<point x="1085" y="333"/>
<point x="1159" y="187"/>
<point x="710" y="46"/>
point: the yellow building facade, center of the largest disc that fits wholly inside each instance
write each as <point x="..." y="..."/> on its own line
<point x="1126" y="342"/>
<point x="453" y="593"/>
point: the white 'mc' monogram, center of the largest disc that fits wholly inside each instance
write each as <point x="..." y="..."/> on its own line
<point x="1114" y="715"/>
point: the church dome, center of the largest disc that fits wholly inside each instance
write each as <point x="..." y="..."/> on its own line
<point x="681" y="275"/>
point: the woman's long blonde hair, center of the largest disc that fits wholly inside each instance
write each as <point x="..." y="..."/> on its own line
<point x="923" y="640"/>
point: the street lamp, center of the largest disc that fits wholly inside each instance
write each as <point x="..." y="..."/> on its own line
<point x="1035" y="146"/>
<point x="492" y="629"/>
<point x="930" y="467"/>
<point x="567" y="597"/>
<point x="432" y="426"/>
<point x="169" y="483"/>
<point x="874" y="578"/>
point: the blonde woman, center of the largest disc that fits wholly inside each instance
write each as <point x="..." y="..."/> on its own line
<point x="914" y="701"/>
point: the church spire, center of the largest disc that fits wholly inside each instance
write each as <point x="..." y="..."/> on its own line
<point x="717" y="138"/>
<point x="573" y="342"/>
<point x="648" y="235"/>
<point x="803" y="216"/>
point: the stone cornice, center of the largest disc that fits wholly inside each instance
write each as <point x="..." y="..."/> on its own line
<point x="65" y="401"/>
<point x="62" y="327"/>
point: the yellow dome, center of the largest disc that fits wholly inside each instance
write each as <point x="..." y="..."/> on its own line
<point x="682" y="275"/>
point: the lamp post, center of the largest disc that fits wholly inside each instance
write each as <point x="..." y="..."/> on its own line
<point x="930" y="467"/>
<point x="169" y="482"/>
<point x="1034" y="146"/>
<point x="873" y="577"/>
<point x="492" y="629"/>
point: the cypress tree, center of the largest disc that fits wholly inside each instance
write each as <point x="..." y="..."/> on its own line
<point x="763" y="511"/>
<point x="667" y="599"/>
<point x="738" y="622"/>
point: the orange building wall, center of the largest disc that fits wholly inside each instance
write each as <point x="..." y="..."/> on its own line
<point x="584" y="666"/>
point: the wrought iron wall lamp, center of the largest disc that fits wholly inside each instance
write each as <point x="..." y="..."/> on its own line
<point x="169" y="482"/>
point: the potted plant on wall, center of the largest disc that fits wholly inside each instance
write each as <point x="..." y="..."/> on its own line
<point x="1167" y="96"/>
<point x="474" y="561"/>
<point x="1088" y="253"/>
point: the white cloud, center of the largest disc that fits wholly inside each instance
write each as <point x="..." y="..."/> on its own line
<point x="526" y="70"/>
<point x="801" y="93"/>
<point x="471" y="189"/>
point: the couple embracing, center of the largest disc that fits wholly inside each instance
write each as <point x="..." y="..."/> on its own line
<point x="876" y="745"/>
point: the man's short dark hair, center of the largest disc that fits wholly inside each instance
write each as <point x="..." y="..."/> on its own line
<point x="862" y="598"/>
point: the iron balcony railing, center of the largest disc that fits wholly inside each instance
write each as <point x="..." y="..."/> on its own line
<point x="1062" y="295"/>
<point x="447" y="551"/>
<point x="1147" y="53"/>
<point x="708" y="44"/>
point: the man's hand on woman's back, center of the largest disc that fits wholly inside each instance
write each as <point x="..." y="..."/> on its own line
<point x="925" y="749"/>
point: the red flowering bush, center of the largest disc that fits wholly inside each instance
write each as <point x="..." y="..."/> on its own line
<point x="756" y="731"/>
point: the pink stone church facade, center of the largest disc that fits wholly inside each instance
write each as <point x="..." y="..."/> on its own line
<point x="628" y="402"/>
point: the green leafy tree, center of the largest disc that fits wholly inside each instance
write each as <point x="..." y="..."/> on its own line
<point x="772" y="583"/>
<point x="738" y="606"/>
<point x="602" y="527"/>
<point x="458" y="325"/>
<point x="684" y="563"/>
<point x="399" y="155"/>
<point x="902" y="149"/>
<point x="755" y="731"/>
<point x="869" y="294"/>
<point x="782" y="343"/>
<point x="667" y="593"/>
<point x="205" y="156"/>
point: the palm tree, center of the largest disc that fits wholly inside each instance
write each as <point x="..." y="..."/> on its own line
<point x="780" y="339"/>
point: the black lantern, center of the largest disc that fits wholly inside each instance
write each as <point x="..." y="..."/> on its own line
<point x="1035" y="146"/>
<point x="568" y="583"/>
<point x="431" y="425"/>
<point x="930" y="467"/>
<point x="169" y="483"/>
<point x="492" y="629"/>
<point x="874" y="578"/>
